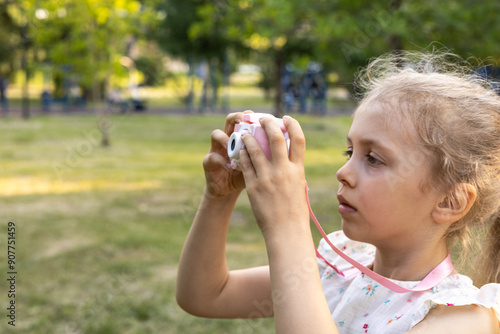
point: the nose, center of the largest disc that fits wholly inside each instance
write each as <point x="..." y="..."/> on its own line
<point x="346" y="174"/>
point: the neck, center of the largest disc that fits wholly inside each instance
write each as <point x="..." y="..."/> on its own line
<point x="410" y="265"/>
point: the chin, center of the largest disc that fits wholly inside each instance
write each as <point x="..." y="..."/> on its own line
<point x="351" y="231"/>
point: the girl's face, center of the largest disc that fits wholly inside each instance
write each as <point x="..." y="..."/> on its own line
<point x="381" y="192"/>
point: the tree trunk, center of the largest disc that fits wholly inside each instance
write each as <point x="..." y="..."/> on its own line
<point x="190" y="79"/>
<point x="226" y="72"/>
<point x="24" y="64"/>
<point x="279" y="67"/>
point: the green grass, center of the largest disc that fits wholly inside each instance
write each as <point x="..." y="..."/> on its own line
<point x="99" y="230"/>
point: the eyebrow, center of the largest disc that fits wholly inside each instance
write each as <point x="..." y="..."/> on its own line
<point x="364" y="141"/>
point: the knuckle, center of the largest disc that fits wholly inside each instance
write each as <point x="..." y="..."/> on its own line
<point x="245" y="165"/>
<point x="300" y="140"/>
<point x="216" y="136"/>
<point x="255" y="152"/>
<point x="276" y="137"/>
<point x="207" y="160"/>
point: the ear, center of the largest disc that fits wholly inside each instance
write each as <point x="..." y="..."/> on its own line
<point x="455" y="204"/>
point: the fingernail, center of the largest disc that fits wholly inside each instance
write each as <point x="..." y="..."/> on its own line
<point x="288" y="117"/>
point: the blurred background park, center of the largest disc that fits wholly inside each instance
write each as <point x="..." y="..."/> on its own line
<point x="107" y="109"/>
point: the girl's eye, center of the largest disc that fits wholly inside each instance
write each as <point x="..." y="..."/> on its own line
<point x="348" y="153"/>
<point x="372" y="160"/>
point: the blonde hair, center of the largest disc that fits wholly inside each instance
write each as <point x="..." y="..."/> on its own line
<point x="456" y="114"/>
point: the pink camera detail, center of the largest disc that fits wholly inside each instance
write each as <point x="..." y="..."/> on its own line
<point x="250" y="123"/>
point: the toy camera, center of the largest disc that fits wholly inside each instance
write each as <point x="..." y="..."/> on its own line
<point x="251" y="124"/>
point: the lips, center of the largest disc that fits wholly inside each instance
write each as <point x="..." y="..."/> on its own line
<point x="344" y="206"/>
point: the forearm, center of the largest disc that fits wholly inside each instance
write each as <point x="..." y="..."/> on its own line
<point x="299" y="303"/>
<point x="203" y="271"/>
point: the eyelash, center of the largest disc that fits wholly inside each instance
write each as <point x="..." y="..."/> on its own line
<point x="371" y="159"/>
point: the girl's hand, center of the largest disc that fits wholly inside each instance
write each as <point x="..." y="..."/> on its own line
<point x="221" y="179"/>
<point x="276" y="188"/>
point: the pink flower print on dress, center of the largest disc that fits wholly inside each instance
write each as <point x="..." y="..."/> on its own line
<point x="395" y="318"/>
<point x="365" y="327"/>
<point x="328" y="273"/>
<point x="370" y="289"/>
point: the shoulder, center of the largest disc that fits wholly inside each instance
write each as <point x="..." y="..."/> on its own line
<point x="456" y="306"/>
<point x="458" y="319"/>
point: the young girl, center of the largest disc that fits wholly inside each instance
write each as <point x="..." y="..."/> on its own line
<point x="423" y="172"/>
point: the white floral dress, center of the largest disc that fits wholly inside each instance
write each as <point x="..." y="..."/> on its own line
<point x="360" y="305"/>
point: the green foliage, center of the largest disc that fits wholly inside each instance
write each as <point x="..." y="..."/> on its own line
<point x="8" y="41"/>
<point x="152" y="66"/>
<point x="82" y="37"/>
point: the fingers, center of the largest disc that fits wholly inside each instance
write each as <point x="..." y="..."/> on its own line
<point x="295" y="153"/>
<point x="233" y="119"/>
<point x="247" y="167"/>
<point x="277" y="142"/>
<point x="297" y="148"/>
<point x="217" y="156"/>
<point x="213" y="161"/>
<point x="219" y="141"/>
<point x="253" y="156"/>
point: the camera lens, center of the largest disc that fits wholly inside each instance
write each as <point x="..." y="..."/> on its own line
<point x="234" y="146"/>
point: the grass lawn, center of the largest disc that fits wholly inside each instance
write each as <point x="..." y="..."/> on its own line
<point x="99" y="230"/>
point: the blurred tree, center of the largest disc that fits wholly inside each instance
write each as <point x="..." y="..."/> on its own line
<point x="15" y="17"/>
<point x="83" y="38"/>
<point x="153" y="68"/>
<point x="339" y="34"/>
<point x="277" y="30"/>
<point x="8" y="41"/>
<point x="354" y="31"/>
<point x="181" y="30"/>
<point x="469" y="27"/>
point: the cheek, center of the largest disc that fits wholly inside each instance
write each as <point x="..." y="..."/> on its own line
<point x="386" y="195"/>
<point x="376" y="196"/>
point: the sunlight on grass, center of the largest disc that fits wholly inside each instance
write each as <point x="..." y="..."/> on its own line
<point x="33" y="185"/>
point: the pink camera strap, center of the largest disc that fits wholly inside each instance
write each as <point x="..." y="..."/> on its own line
<point x="443" y="270"/>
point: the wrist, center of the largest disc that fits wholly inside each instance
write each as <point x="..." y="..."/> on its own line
<point x="279" y="240"/>
<point x="220" y="199"/>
